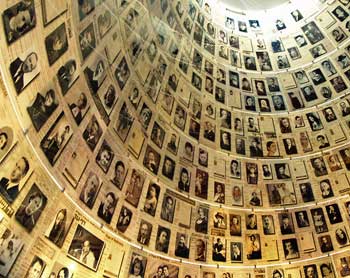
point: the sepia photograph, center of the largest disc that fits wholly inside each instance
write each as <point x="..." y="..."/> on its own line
<point x="86" y="248"/>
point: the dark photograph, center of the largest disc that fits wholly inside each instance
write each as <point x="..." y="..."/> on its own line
<point x="31" y="208"/>
<point x="19" y="20"/>
<point x="56" y="138"/>
<point x="56" y="44"/>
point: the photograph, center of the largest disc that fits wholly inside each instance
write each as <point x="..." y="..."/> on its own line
<point x="10" y="247"/>
<point x="151" y="159"/>
<point x="124" y="219"/>
<point x="60" y="271"/>
<point x="31" y="208"/>
<point x="134" y="189"/>
<point x="120" y="172"/>
<point x="124" y="122"/>
<point x="253" y="247"/>
<point x="201" y="221"/>
<point x="92" y="133"/>
<point x="122" y="73"/>
<point x="219" y="249"/>
<point x="8" y="141"/>
<point x="182" y="246"/>
<point x="151" y="201"/>
<point x="95" y="75"/>
<point x="90" y="189"/>
<point x="42" y="108"/>
<point x="36" y="268"/>
<point x="24" y="69"/>
<point x="59" y="226"/>
<point x="107" y="206"/>
<point x="87" y="39"/>
<point x="56" y="44"/>
<point x="162" y="239"/>
<point x="145" y="232"/>
<point x="19" y="20"/>
<point x="86" y="248"/>
<point x="67" y="75"/>
<point x="79" y="107"/>
<point x="105" y="156"/>
<point x="168" y="208"/>
<point x="137" y="266"/>
<point x="290" y="248"/>
<point x="14" y="177"/>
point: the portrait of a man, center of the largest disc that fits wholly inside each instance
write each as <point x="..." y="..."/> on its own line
<point x="11" y="185"/>
<point x="107" y="207"/>
<point x="86" y="248"/>
<point x="24" y="69"/>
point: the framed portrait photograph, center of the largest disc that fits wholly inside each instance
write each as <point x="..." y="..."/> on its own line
<point x="24" y="69"/>
<point x="31" y="208"/>
<point x="86" y="248"/>
<point x="59" y="270"/>
<point x="42" y="107"/>
<point x="59" y="227"/>
<point x="151" y="159"/>
<point x="95" y="74"/>
<point x="122" y="73"/>
<point x="107" y="206"/>
<point x="87" y="40"/>
<point x="90" y="189"/>
<point x="124" y="219"/>
<point x="119" y="173"/>
<point x="124" y="122"/>
<point x="10" y="247"/>
<point x="8" y="141"/>
<point x="56" y="138"/>
<point x="134" y="190"/>
<point x="79" y="106"/>
<point x="19" y="20"/>
<point x="105" y="156"/>
<point x="14" y="176"/>
<point x="137" y="266"/>
<point x="56" y="43"/>
<point x="36" y="267"/>
<point x="67" y="75"/>
<point x="92" y="133"/>
<point x="104" y="22"/>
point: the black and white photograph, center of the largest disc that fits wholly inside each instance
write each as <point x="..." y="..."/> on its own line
<point x="95" y="75"/>
<point x="10" y="248"/>
<point x="87" y="40"/>
<point x="86" y="248"/>
<point x="31" y="208"/>
<point x="107" y="206"/>
<point x="59" y="227"/>
<point x="124" y="122"/>
<point x="92" y="133"/>
<point x="122" y="73"/>
<point x="56" y="138"/>
<point x="134" y="189"/>
<point x="162" y="239"/>
<point x="59" y="270"/>
<point x="56" y="43"/>
<point x="105" y="156"/>
<point x="90" y="189"/>
<point x="151" y="159"/>
<point x="19" y="20"/>
<point x="24" y="69"/>
<point x="124" y="219"/>
<point x="67" y="75"/>
<point x="138" y="265"/>
<point x="36" y="267"/>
